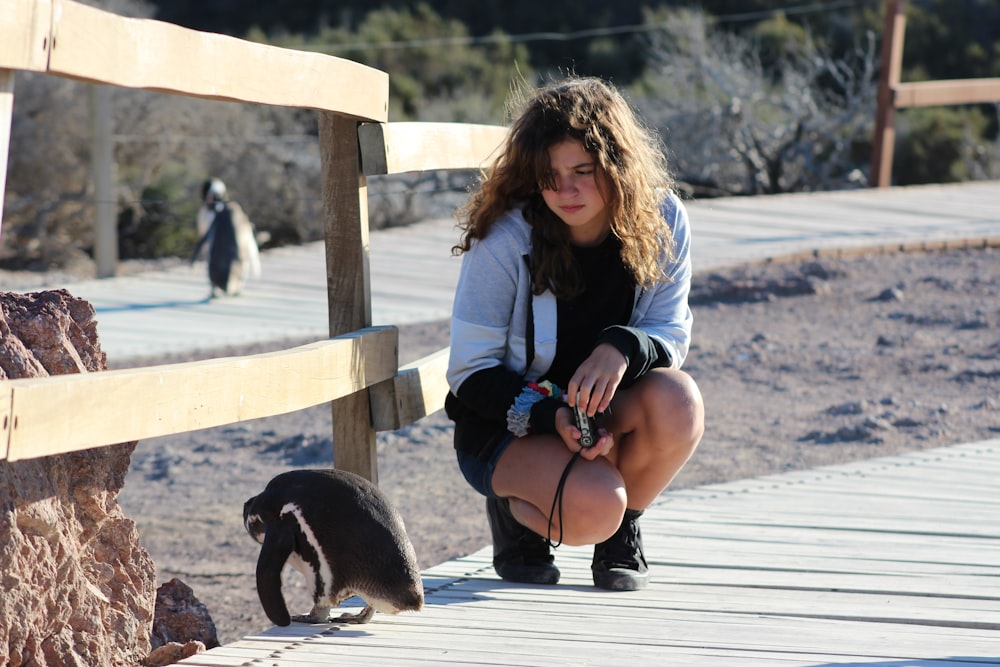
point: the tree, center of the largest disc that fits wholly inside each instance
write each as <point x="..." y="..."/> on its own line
<point x="429" y="59"/>
<point x="734" y="126"/>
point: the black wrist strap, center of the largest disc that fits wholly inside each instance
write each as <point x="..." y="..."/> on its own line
<point x="557" y="500"/>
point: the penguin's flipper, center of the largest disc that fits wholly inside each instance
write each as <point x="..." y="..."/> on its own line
<point x="362" y="616"/>
<point x="205" y="238"/>
<point x="277" y="547"/>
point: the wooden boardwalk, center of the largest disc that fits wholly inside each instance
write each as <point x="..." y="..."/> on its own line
<point x="892" y="561"/>
<point x="413" y="273"/>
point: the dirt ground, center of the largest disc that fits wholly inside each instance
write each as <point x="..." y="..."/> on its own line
<point x="801" y="364"/>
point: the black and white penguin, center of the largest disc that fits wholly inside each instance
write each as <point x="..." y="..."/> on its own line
<point x="233" y="255"/>
<point x="343" y="534"/>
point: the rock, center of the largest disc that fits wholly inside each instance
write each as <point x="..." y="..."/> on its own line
<point x="51" y="333"/>
<point x="822" y="270"/>
<point x="78" y="585"/>
<point x="887" y="341"/>
<point x="849" y="408"/>
<point x="173" y="652"/>
<point x="179" y="617"/>
<point x="890" y="294"/>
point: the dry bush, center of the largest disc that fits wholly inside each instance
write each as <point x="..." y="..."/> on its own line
<point x="736" y="126"/>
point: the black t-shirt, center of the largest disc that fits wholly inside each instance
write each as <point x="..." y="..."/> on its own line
<point x="607" y="300"/>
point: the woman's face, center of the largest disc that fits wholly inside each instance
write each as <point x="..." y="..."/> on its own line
<point x="576" y="195"/>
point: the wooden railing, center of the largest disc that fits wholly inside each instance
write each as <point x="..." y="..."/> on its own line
<point x="894" y="95"/>
<point x="356" y="369"/>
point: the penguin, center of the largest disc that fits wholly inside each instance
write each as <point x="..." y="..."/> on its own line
<point x="233" y="255"/>
<point x="343" y="534"/>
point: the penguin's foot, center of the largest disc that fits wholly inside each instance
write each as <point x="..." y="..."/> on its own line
<point x="320" y="613"/>
<point x="325" y="615"/>
<point x="363" y="616"/>
<point x="308" y="618"/>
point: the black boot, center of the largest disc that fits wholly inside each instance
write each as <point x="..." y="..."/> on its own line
<point x="619" y="564"/>
<point x="519" y="554"/>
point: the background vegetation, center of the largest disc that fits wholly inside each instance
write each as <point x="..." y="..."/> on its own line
<point x="750" y="97"/>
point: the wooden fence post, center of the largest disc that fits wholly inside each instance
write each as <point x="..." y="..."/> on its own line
<point x="102" y="168"/>
<point x="891" y="60"/>
<point x="345" y="207"/>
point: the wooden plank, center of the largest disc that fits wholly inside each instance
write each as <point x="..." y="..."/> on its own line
<point x="120" y="406"/>
<point x="419" y="389"/>
<point x="393" y="148"/>
<point x="892" y="510"/>
<point x="101" y="47"/>
<point x="952" y="575"/>
<point x="947" y="92"/>
<point x="348" y="281"/>
<point x="912" y="588"/>
<point x="860" y="525"/>
<point x="949" y="499"/>
<point x="24" y="34"/>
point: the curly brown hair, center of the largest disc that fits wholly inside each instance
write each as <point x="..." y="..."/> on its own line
<point x="629" y="161"/>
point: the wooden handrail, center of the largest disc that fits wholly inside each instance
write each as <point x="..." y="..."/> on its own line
<point x="70" y="39"/>
<point x="894" y="95"/>
<point x="947" y="92"/>
<point x="395" y="148"/>
<point x="67" y="413"/>
<point x="417" y="390"/>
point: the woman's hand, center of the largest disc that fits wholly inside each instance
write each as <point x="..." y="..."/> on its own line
<point x="597" y="379"/>
<point x="570" y="435"/>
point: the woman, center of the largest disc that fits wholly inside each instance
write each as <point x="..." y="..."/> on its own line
<point x="573" y="292"/>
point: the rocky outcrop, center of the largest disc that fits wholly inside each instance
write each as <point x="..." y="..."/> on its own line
<point x="181" y="618"/>
<point x="79" y="589"/>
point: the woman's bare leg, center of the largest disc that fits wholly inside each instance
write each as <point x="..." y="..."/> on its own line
<point x="593" y="500"/>
<point x="657" y="424"/>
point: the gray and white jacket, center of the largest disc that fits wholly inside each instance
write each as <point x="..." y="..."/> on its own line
<point x="489" y="319"/>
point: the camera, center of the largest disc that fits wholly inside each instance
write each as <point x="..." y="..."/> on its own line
<point x="587" y="426"/>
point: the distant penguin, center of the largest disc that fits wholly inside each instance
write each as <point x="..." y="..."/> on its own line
<point x="233" y="255"/>
<point x="213" y="191"/>
<point x="343" y="534"/>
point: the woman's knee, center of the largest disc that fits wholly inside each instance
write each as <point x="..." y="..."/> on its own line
<point x="671" y="399"/>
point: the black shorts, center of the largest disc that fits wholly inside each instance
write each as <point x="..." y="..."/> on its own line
<point x="479" y="472"/>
